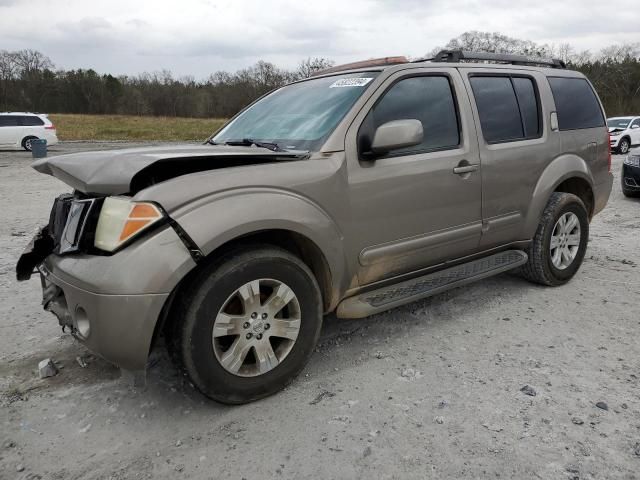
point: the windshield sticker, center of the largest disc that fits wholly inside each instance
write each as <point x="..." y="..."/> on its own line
<point x="350" y="82"/>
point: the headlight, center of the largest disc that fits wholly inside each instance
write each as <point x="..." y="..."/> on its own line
<point x="121" y="219"/>
<point x="633" y="160"/>
<point x="615" y="134"/>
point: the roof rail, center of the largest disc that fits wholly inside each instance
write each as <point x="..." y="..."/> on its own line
<point x="376" y="62"/>
<point x="456" y="56"/>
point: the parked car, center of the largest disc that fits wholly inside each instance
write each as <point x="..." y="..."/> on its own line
<point x="624" y="133"/>
<point x="17" y="129"/>
<point x="358" y="190"/>
<point x="630" y="177"/>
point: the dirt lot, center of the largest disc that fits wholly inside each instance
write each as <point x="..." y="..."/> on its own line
<point x="429" y="390"/>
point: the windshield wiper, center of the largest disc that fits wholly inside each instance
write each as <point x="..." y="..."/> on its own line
<point x="248" y="142"/>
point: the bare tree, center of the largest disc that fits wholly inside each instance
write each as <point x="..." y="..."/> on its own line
<point x="308" y="67"/>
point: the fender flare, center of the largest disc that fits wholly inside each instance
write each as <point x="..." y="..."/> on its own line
<point x="560" y="169"/>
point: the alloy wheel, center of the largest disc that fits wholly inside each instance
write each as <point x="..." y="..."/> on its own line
<point x="256" y="328"/>
<point x="624" y="146"/>
<point x="565" y="240"/>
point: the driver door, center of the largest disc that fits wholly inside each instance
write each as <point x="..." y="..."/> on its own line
<point x="419" y="206"/>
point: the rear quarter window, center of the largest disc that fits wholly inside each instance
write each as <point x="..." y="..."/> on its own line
<point x="576" y="104"/>
<point x="31" y="121"/>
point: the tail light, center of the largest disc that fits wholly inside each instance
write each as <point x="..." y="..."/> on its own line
<point x="609" y="152"/>
<point x="50" y="127"/>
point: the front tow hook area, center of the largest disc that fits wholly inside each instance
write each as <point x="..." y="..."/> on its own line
<point x="54" y="301"/>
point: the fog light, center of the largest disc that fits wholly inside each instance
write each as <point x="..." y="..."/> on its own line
<point x="82" y="322"/>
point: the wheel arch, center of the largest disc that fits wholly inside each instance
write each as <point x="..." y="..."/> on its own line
<point x="291" y="241"/>
<point x="27" y="137"/>
<point x="567" y="173"/>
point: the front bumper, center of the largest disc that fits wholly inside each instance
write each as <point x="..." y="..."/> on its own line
<point x="112" y="303"/>
<point x="613" y="141"/>
<point x="631" y="177"/>
<point x="118" y="328"/>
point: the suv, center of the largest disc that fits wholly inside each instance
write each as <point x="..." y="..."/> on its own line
<point x="624" y="133"/>
<point x="355" y="191"/>
<point x="17" y="129"/>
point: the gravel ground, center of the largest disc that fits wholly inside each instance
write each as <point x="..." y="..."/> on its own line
<point x="429" y="390"/>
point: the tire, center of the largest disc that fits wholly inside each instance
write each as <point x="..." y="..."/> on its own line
<point x="220" y="295"/>
<point x="542" y="267"/>
<point x="623" y="146"/>
<point x="26" y="142"/>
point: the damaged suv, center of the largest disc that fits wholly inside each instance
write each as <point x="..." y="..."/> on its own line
<point x="358" y="190"/>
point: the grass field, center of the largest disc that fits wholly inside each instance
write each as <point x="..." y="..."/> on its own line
<point x="125" y="127"/>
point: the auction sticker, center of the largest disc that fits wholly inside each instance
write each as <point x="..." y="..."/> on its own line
<point x="350" y="82"/>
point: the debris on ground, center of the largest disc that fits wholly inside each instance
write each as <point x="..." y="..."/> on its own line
<point x="322" y="395"/>
<point x="602" y="406"/>
<point x="493" y="428"/>
<point x="81" y="361"/>
<point x="46" y="368"/>
<point x="527" y="390"/>
<point x="577" y="421"/>
<point x="410" y="374"/>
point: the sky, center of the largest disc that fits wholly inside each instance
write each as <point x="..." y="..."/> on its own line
<point x="198" y="37"/>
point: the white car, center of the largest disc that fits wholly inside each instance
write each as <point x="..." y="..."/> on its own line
<point x="624" y="132"/>
<point x="17" y="129"/>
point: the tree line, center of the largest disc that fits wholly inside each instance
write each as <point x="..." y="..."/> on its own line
<point x="29" y="81"/>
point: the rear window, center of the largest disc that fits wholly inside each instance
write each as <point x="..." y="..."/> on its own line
<point x="576" y="104"/>
<point x="508" y="107"/>
<point x="31" y="121"/>
<point x="8" y="121"/>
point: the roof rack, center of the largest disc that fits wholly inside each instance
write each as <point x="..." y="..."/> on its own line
<point x="375" y="62"/>
<point x="456" y="56"/>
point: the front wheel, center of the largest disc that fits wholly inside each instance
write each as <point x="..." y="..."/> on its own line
<point x="623" y="146"/>
<point x="249" y="324"/>
<point x="558" y="248"/>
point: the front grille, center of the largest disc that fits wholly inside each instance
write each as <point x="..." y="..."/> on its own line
<point x="68" y="222"/>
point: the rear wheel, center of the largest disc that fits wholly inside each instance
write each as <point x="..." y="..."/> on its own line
<point x="26" y="143"/>
<point x="558" y="248"/>
<point x="249" y="324"/>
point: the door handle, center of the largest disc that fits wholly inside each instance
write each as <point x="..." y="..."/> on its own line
<point x="465" y="169"/>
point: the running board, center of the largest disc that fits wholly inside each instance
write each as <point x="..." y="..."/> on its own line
<point x="376" y="301"/>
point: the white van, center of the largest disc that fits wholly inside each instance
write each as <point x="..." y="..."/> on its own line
<point x="17" y="129"/>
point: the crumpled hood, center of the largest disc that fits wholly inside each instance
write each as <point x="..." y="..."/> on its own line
<point x="615" y="129"/>
<point x="116" y="172"/>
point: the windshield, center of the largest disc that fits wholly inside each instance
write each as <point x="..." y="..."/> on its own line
<point x="299" y="116"/>
<point x="618" y="122"/>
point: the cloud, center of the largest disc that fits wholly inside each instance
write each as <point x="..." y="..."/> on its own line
<point x="198" y="37"/>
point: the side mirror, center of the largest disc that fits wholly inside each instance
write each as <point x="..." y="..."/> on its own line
<point x="397" y="134"/>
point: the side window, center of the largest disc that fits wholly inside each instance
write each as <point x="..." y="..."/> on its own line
<point x="31" y="121"/>
<point x="635" y="123"/>
<point x="576" y="103"/>
<point x="508" y="108"/>
<point x="8" y="121"/>
<point x="429" y="99"/>
<point x="528" y="102"/>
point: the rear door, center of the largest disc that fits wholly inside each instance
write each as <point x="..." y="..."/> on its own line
<point x="10" y="130"/>
<point x="412" y="208"/>
<point x="515" y="143"/>
<point x="32" y="125"/>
